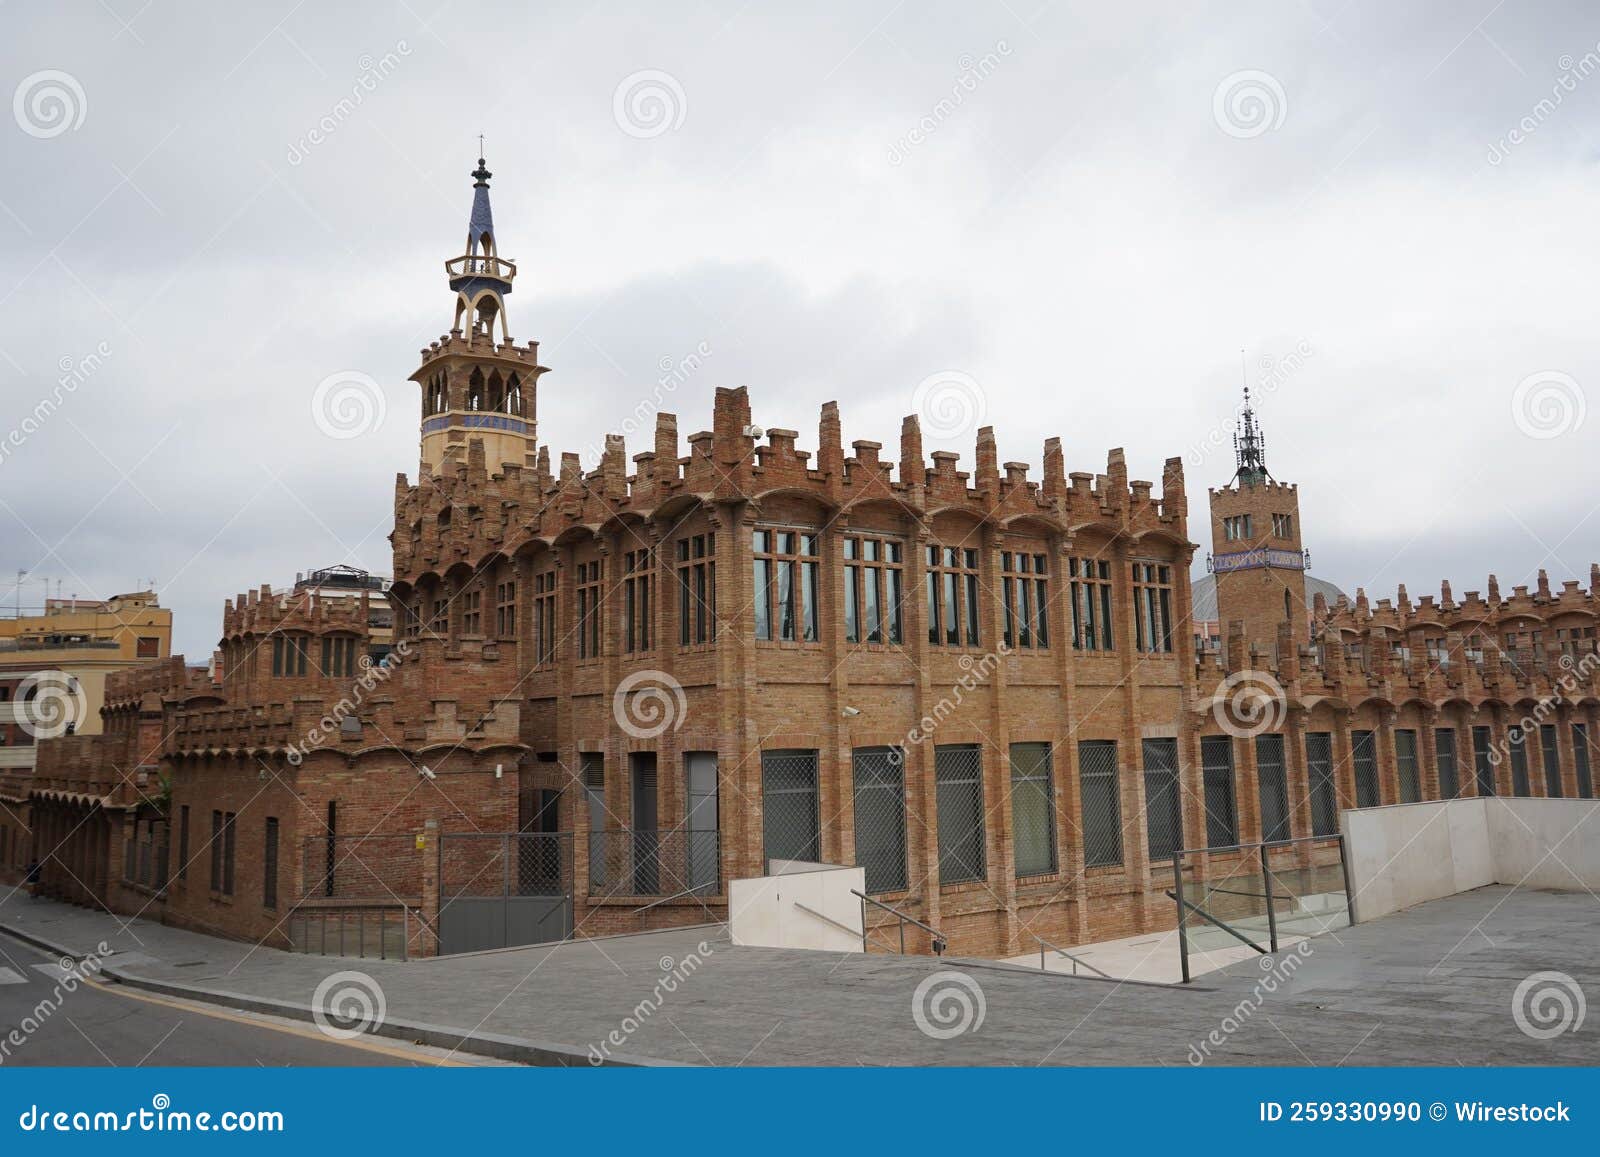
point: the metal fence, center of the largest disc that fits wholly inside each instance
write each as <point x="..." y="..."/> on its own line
<point x="487" y="865"/>
<point x="373" y="931"/>
<point x="1162" y="800"/>
<point x="958" y="778"/>
<point x="1102" y="802"/>
<point x="789" y="803"/>
<point x="672" y="862"/>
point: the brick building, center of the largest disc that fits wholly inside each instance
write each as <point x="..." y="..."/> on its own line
<point x="619" y="689"/>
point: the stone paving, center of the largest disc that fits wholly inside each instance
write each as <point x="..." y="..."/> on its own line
<point x="1433" y="985"/>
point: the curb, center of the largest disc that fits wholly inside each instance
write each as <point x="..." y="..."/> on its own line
<point x="544" y="1054"/>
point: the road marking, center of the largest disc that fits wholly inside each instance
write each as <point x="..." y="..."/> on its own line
<point x="12" y="976"/>
<point x="288" y="1029"/>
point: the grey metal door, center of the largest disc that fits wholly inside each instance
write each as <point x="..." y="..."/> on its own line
<point x="700" y="774"/>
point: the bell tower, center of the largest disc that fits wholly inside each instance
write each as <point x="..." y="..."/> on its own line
<point x="1257" y="554"/>
<point x="474" y="388"/>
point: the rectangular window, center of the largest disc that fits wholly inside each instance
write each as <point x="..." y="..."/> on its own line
<point x="183" y="842"/>
<point x="697" y="590"/>
<point x="785" y="571"/>
<point x="505" y="610"/>
<point x="1216" y="766"/>
<point x="1405" y="757"/>
<point x="472" y="612"/>
<point x="1364" y="758"/>
<point x="952" y="596"/>
<point x="544" y="618"/>
<point x="1481" y="763"/>
<point x="1444" y="754"/>
<point x="1552" y="759"/>
<point x="439" y="624"/>
<point x="230" y="830"/>
<point x="216" y="851"/>
<point x="269" y="865"/>
<point x="338" y="656"/>
<point x="1025" y="595"/>
<point x="874" y="585"/>
<point x="1324" y="792"/>
<point x="592" y="770"/>
<point x="1152" y="607"/>
<point x="1101" y="801"/>
<point x="1272" y="787"/>
<point x="1033" y="809"/>
<point x="789" y="806"/>
<point x="1163" y="814"/>
<point x="878" y="775"/>
<point x="1580" y="759"/>
<point x="149" y="647"/>
<point x="589" y="595"/>
<point x="638" y="634"/>
<point x="1091" y="604"/>
<point x="1517" y="741"/>
<point x="958" y="778"/>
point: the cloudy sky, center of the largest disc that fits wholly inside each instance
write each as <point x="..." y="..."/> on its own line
<point x="1070" y="217"/>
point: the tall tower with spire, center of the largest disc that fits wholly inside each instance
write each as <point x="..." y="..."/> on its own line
<point x="476" y="389"/>
<point x="1257" y="554"/>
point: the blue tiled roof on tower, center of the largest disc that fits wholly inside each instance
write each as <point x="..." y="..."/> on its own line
<point x="482" y="223"/>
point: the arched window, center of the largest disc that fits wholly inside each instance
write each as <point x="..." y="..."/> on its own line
<point x="496" y="397"/>
<point x="475" y="391"/>
<point x="1288" y="606"/>
<point x="514" y="397"/>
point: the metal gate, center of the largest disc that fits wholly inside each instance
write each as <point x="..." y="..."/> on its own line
<point x="502" y="890"/>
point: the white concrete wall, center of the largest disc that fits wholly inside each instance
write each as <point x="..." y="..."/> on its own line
<point x="799" y="906"/>
<point x="1409" y="853"/>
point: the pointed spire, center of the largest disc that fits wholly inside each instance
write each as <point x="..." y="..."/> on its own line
<point x="480" y="229"/>
<point x="1249" y="446"/>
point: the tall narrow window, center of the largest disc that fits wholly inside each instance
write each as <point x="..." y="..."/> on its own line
<point x="183" y="842"/>
<point x="1580" y="760"/>
<point x="638" y="567"/>
<point x="269" y="865"/>
<point x="785" y="572"/>
<point x="1405" y="757"/>
<point x="472" y="612"/>
<point x="958" y="779"/>
<point x="589" y="594"/>
<point x="1033" y="809"/>
<point x="1152" y="607"/>
<point x="1025" y="598"/>
<point x="874" y="580"/>
<point x="789" y="806"/>
<point x="592" y="770"/>
<point x="1482" y="763"/>
<point x="544" y="618"/>
<point x="1163" y="813"/>
<point x="505" y="610"/>
<point x="697" y="590"/>
<point x="1551" y="760"/>
<point x="1216" y="766"/>
<point x="1324" y="792"/>
<point x="230" y="831"/>
<point x="1091" y="604"/>
<point x="952" y="596"/>
<point x="1101" y="801"/>
<point x="878" y="775"/>
<point x="1444" y="755"/>
<point x="1364" y="758"/>
<point x="1272" y="784"/>
<point x="216" y="851"/>
<point x="1517" y="742"/>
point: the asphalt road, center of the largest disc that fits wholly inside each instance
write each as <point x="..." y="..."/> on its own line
<point x="111" y="1024"/>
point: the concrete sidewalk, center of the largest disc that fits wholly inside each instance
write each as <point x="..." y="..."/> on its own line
<point x="1430" y="986"/>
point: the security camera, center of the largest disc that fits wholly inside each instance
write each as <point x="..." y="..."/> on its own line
<point x="426" y="772"/>
<point x="754" y="432"/>
<point x="851" y="712"/>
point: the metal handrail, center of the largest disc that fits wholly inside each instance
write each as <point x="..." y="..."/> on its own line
<point x="1210" y="919"/>
<point x="939" y="941"/>
<point x="1043" y="944"/>
<point x="825" y="919"/>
